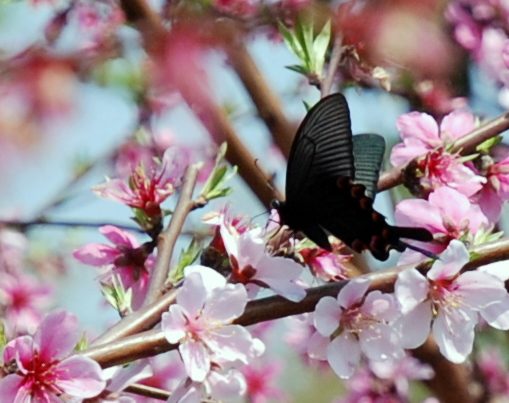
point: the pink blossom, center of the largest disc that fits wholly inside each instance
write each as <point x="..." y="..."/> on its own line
<point x="125" y="257"/>
<point x="253" y="266"/>
<point x="147" y="186"/>
<point x="447" y="214"/>
<point x="421" y="134"/>
<point x="13" y="247"/>
<point x="261" y="380"/>
<point x="325" y="265"/>
<point x="439" y="168"/>
<point x="497" y="314"/>
<point x="42" y="367"/>
<point x="494" y="369"/>
<point x="448" y="298"/>
<point x="201" y="322"/>
<point x="353" y="323"/>
<point x="495" y="191"/>
<point x="117" y="379"/>
<point x="217" y="385"/>
<point x="23" y="298"/>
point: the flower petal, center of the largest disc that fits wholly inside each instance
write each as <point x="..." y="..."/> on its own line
<point x="173" y="324"/>
<point x="353" y="292"/>
<point x="343" y="355"/>
<point x="54" y="345"/>
<point x="411" y="289"/>
<point x="196" y="360"/>
<point x="226" y="303"/>
<point x="80" y="377"/>
<point x="327" y="315"/>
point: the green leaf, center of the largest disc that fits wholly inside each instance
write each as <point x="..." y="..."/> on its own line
<point x="299" y="69"/>
<point x="215" y="185"/>
<point x="117" y="296"/>
<point x="186" y="258"/>
<point x="291" y="41"/>
<point x="320" y="46"/>
<point x="488" y="144"/>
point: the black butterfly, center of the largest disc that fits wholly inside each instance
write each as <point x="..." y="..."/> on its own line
<point x="331" y="182"/>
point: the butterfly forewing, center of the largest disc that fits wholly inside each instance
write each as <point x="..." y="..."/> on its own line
<point x="321" y="149"/>
<point x="368" y="153"/>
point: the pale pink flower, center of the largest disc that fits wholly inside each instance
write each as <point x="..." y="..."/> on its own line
<point x="253" y="266"/>
<point x="497" y="314"/>
<point x="495" y="191"/>
<point x="355" y="323"/>
<point x="447" y="214"/>
<point x="13" y="247"/>
<point x="147" y="186"/>
<point x="217" y="386"/>
<point x="23" y="299"/>
<point x="201" y="322"/>
<point x="42" y="368"/>
<point x="420" y="133"/>
<point x="125" y="257"/>
<point x="117" y="379"/>
<point x="448" y="298"/>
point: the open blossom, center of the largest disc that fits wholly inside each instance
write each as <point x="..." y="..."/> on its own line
<point x="420" y="133"/>
<point x="22" y="298"/>
<point x="325" y="265"/>
<point x="496" y="190"/>
<point x="125" y="257"/>
<point x="439" y="168"/>
<point x="148" y="186"/>
<point x="117" y="379"/>
<point x="42" y="368"/>
<point x="201" y="322"/>
<point x="452" y="300"/>
<point x="253" y="266"/>
<point x="355" y="323"/>
<point x="447" y="214"/>
<point x="217" y="385"/>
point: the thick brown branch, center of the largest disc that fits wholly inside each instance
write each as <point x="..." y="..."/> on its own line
<point x="268" y="106"/>
<point x="451" y="381"/>
<point x="465" y="145"/>
<point x="167" y="240"/>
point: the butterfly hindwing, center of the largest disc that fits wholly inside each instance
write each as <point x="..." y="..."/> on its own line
<point x="368" y="153"/>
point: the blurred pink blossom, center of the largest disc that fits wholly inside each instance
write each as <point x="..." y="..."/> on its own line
<point x="262" y="383"/>
<point x="42" y="368"/>
<point x="325" y="265"/>
<point x="22" y="300"/>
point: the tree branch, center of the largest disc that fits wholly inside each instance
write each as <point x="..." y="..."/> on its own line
<point x="166" y="241"/>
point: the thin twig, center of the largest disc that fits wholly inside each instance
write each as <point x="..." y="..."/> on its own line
<point x="148" y="391"/>
<point x="267" y="104"/>
<point x="465" y="145"/>
<point x="166" y="240"/>
<point x="337" y="51"/>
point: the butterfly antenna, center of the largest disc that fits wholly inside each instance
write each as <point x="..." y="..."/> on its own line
<point x="425" y="252"/>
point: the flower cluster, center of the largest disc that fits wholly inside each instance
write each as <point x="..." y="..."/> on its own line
<point x="464" y="194"/>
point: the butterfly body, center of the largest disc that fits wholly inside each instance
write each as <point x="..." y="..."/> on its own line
<point x="331" y="181"/>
